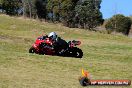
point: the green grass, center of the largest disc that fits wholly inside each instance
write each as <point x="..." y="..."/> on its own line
<point x="105" y="56"/>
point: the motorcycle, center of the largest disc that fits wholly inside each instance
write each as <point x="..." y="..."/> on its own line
<point x="43" y="45"/>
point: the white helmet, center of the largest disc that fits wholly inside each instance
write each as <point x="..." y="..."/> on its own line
<point x="52" y="35"/>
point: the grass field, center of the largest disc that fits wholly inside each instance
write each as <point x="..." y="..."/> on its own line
<point x="105" y="56"/>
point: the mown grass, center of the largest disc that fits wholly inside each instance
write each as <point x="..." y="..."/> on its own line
<point x="105" y="56"/>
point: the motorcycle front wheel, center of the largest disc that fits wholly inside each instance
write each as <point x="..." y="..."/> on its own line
<point x="32" y="50"/>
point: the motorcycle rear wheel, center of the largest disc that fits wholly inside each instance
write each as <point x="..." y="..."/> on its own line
<point x="84" y="81"/>
<point x="77" y="52"/>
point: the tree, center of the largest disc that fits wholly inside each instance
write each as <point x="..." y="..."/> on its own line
<point x="88" y="14"/>
<point x="131" y="18"/>
<point x="54" y="8"/>
<point x="119" y="23"/>
<point x="11" y="6"/>
<point x="40" y="6"/>
<point x="30" y="8"/>
<point x="59" y="9"/>
<point x="1" y="5"/>
<point x="24" y="7"/>
<point x="67" y="12"/>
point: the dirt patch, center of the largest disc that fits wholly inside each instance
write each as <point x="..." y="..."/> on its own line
<point x="13" y="26"/>
<point x="3" y="37"/>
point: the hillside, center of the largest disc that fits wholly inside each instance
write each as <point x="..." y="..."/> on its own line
<point x="105" y="56"/>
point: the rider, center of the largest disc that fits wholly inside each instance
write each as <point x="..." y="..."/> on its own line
<point x="58" y="43"/>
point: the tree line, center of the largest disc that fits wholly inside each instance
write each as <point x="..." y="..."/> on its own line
<point x="72" y="13"/>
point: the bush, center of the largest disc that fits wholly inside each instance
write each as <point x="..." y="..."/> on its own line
<point x="119" y="23"/>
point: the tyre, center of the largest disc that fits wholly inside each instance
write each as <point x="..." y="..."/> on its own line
<point x="32" y="50"/>
<point x="77" y="52"/>
<point x="84" y="81"/>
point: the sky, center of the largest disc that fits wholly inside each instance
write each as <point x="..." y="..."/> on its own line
<point x="112" y="7"/>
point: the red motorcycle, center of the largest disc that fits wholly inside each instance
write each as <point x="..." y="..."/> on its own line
<point x="43" y="45"/>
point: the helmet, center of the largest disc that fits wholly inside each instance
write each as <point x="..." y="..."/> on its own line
<point x="52" y="35"/>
